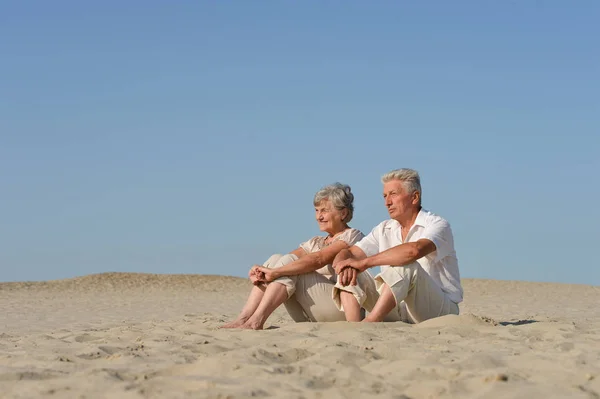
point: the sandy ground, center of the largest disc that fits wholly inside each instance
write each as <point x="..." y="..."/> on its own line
<point x="138" y="335"/>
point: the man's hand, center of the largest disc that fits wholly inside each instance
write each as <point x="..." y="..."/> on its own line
<point x="264" y="274"/>
<point x="348" y="276"/>
<point x="358" y="265"/>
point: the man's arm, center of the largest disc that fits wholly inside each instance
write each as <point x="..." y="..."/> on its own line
<point x="351" y="254"/>
<point x="437" y="236"/>
<point x="399" y="255"/>
<point x="345" y="262"/>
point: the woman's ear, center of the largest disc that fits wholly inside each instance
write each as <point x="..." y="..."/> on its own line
<point x="344" y="215"/>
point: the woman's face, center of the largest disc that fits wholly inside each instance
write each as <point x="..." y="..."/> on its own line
<point x="329" y="218"/>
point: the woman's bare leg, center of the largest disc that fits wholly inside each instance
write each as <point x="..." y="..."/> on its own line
<point x="274" y="296"/>
<point x="254" y="299"/>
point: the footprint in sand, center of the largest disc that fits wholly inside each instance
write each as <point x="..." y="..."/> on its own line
<point x="320" y="383"/>
<point x="282" y="357"/>
<point x="91" y="355"/>
<point x="30" y="375"/>
<point x="86" y="338"/>
<point x="110" y="350"/>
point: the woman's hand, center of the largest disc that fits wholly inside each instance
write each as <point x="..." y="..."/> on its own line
<point x="254" y="275"/>
<point x="264" y="274"/>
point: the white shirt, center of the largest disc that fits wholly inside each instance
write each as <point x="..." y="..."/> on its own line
<point x="441" y="264"/>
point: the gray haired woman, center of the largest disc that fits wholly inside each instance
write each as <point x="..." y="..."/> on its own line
<point x="304" y="279"/>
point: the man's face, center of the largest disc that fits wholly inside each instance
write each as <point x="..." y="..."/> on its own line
<point x="397" y="200"/>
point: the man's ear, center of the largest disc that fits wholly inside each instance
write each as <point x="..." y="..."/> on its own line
<point x="416" y="197"/>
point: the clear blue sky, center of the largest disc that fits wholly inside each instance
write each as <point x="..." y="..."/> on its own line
<point x="190" y="137"/>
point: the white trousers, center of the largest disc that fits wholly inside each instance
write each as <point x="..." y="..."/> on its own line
<point x="418" y="297"/>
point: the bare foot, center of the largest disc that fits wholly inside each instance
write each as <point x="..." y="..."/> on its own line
<point x="252" y="325"/>
<point x="237" y="323"/>
<point x="371" y="320"/>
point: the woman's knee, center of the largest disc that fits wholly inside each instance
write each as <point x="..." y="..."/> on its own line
<point x="285" y="259"/>
<point x="272" y="261"/>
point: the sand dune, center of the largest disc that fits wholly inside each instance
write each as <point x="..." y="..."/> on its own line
<point x="140" y="335"/>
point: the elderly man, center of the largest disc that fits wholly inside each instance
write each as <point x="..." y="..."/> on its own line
<point x="419" y="276"/>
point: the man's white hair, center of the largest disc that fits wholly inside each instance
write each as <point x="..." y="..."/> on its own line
<point x="410" y="178"/>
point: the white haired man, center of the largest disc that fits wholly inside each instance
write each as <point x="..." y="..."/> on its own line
<point x="419" y="276"/>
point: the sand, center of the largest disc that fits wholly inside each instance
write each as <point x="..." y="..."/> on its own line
<point x="138" y="335"/>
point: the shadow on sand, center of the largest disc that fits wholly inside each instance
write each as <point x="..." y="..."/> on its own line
<point x="517" y="323"/>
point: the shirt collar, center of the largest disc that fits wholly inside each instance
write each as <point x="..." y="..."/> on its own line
<point x="419" y="221"/>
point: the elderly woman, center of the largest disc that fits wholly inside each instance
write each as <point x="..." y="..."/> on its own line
<point x="304" y="279"/>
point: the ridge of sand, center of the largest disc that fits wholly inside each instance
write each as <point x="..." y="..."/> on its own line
<point x="126" y="280"/>
<point x="132" y="279"/>
<point x="153" y="335"/>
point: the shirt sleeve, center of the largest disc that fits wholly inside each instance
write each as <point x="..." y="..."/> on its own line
<point x="440" y="233"/>
<point x="351" y="236"/>
<point x="370" y="243"/>
<point x="308" y="246"/>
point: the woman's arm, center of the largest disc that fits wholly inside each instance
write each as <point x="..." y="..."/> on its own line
<point x="299" y="252"/>
<point x="306" y="263"/>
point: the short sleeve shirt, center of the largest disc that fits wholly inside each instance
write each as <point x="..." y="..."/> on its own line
<point x="350" y="236"/>
<point x="441" y="264"/>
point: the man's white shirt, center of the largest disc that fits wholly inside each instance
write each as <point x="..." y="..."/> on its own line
<point x="441" y="264"/>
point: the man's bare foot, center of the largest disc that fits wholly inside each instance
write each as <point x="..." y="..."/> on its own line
<point x="237" y="323"/>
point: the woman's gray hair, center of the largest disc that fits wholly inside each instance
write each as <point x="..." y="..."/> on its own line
<point x="409" y="177"/>
<point x="341" y="197"/>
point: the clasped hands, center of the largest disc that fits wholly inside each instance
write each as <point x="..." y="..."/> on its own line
<point x="260" y="275"/>
<point x="348" y="270"/>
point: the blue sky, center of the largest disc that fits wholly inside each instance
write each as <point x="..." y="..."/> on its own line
<point x="190" y="137"/>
